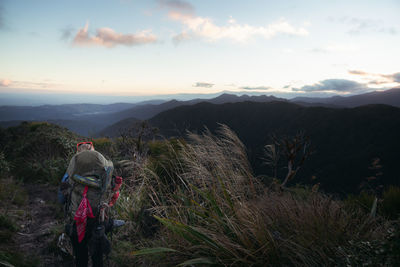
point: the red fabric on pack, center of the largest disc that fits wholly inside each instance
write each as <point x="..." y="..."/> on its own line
<point x="82" y="213"/>
<point x="118" y="183"/>
<point x="114" y="199"/>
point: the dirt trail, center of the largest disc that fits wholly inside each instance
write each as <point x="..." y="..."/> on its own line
<point x="40" y="227"/>
<point x="39" y="222"/>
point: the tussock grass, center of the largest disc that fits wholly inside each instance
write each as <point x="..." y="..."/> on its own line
<point x="213" y="211"/>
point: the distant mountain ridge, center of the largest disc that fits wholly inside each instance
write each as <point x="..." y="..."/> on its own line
<point x="145" y="112"/>
<point x="388" y="97"/>
<point x="148" y="111"/>
<point x="87" y="119"/>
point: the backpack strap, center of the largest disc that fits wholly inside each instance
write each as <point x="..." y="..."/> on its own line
<point x="105" y="181"/>
<point x="67" y="204"/>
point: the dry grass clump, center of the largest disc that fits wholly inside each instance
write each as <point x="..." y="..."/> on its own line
<point x="216" y="213"/>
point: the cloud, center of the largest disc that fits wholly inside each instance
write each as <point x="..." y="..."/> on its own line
<point x="358" y="72"/>
<point x="181" y="37"/>
<point x="367" y="25"/>
<point x="264" y="88"/>
<point x="335" y="48"/>
<point x="5" y="82"/>
<point x="66" y="33"/>
<point x="45" y="84"/>
<point x="396" y="77"/>
<point x="363" y="25"/>
<point x="205" y="28"/>
<point x="334" y="85"/>
<point x="109" y="38"/>
<point x="377" y="78"/>
<point x="202" y="84"/>
<point x="177" y="5"/>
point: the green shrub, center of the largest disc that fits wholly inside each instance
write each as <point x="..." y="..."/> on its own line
<point x="4" y="165"/>
<point x="38" y="151"/>
<point x="46" y="171"/>
<point x="7" y="229"/>
<point x="33" y="126"/>
<point x="105" y="146"/>
<point x="388" y="207"/>
<point x="7" y="223"/>
<point x="11" y="192"/>
<point x="14" y="258"/>
<point x="391" y="202"/>
<point x="363" y="201"/>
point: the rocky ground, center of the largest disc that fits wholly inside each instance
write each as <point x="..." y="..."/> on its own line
<point x="39" y="230"/>
<point x="37" y="222"/>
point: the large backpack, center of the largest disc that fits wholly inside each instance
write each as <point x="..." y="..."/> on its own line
<point x="88" y="168"/>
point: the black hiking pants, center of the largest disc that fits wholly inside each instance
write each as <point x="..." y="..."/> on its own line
<point x="81" y="249"/>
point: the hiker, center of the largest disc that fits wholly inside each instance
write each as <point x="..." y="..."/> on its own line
<point x="85" y="188"/>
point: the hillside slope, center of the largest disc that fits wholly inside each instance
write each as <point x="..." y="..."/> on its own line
<point x="116" y="129"/>
<point x="345" y="140"/>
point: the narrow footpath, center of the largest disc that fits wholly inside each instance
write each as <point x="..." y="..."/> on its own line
<point x="40" y="227"/>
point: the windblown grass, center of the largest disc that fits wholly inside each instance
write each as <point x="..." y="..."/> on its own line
<point x="215" y="212"/>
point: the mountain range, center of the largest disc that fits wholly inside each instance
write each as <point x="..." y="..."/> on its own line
<point x="347" y="133"/>
<point x="93" y="119"/>
<point x="90" y="119"/>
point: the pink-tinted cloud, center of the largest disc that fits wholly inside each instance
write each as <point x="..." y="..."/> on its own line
<point x="395" y="77"/>
<point x="205" y="28"/>
<point x="18" y="84"/>
<point x="358" y="72"/>
<point x="378" y="78"/>
<point x="5" y="82"/>
<point x="109" y="38"/>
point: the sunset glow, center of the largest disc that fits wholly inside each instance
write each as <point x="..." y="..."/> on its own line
<point x="162" y="47"/>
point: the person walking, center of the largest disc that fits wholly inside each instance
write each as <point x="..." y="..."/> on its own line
<point x="85" y="188"/>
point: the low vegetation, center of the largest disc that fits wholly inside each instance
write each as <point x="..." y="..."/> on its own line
<point x="37" y="151"/>
<point x="198" y="202"/>
<point x="211" y="210"/>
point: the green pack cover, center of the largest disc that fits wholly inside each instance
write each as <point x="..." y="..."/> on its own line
<point x="93" y="169"/>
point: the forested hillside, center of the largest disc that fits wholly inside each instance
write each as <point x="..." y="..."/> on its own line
<point x="345" y="141"/>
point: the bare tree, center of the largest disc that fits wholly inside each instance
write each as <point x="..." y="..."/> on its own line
<point x="294" y="149"/>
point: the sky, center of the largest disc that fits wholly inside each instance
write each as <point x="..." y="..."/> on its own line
<point x="137" y="49"/>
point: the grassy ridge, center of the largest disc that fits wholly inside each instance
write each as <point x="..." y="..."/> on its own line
<point x="197" y="202"/>
<point x="213" y="211"/>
